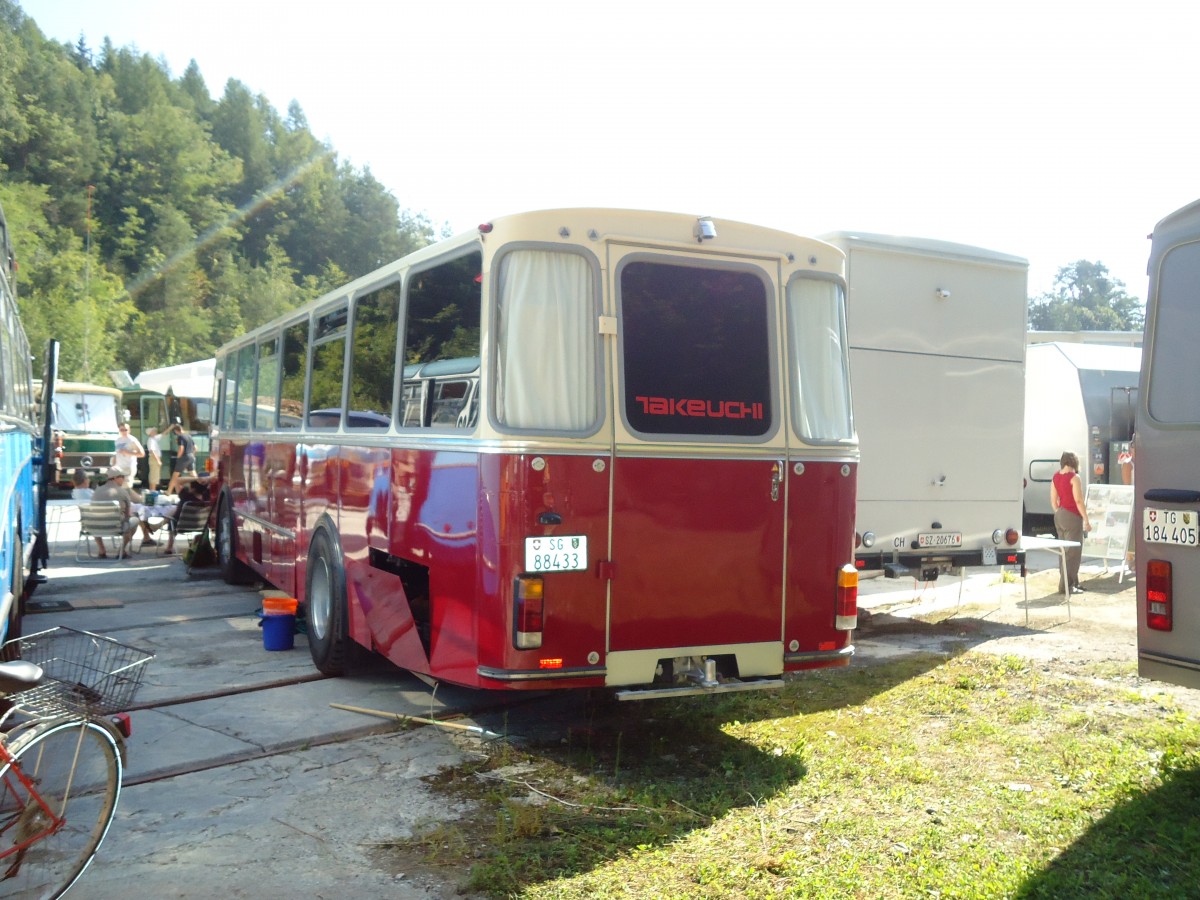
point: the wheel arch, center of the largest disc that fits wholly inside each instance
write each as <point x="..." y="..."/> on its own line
<point x="233" y="570"/>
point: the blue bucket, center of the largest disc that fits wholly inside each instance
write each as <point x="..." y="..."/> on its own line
<point x="279" y="632"/>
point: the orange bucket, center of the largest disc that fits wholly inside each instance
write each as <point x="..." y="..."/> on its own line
<point x="280" y="606"/>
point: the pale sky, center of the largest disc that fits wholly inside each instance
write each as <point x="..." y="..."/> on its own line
<point x="1050" y="130"/>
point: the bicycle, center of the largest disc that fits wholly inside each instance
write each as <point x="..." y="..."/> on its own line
<point x="63" y="754"/>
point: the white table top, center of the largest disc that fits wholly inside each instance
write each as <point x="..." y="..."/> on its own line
<point x="1038" y="542"/>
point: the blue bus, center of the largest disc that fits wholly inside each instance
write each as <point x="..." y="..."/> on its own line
<point x="23" y="546"/>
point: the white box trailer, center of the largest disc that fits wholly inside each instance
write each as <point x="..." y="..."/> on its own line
<point x="1081" y="398"/>
<point x="937" y="355"/>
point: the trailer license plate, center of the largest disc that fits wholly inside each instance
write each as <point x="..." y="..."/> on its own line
<point x="939" y="539"/>
<point x="556" y="553"/>
<point x="1170" y="526"/>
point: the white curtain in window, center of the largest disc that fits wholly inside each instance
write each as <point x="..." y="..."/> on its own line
<point x="820" y="375"/>
<point x="546" y="344"/>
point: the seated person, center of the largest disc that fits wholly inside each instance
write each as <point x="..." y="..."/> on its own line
<point x="81" y="492"/>
<point x="114" y="489"/>
<point x="193" y="492"/>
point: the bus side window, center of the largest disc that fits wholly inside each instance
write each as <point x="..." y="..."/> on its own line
<point x="373" y="358"/>
<point x="245" y="388"/>
<point x="222" y="377"/>
<point x="449" y="402"/>
<point x="268" y="385"/>
<point x="412" y="401"/>
<point x="442" y="324"/>
<point x="291" y="389"/>
<point x="328" y="369"/>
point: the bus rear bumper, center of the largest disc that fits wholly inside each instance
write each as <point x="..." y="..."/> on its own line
<point x="691" y="690"/>
<point x="927" y="566"/>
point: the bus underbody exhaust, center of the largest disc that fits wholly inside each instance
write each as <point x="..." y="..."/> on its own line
<point x="690" y="675"/>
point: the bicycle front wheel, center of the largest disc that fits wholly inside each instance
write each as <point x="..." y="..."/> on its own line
<point x="75" y="771"/>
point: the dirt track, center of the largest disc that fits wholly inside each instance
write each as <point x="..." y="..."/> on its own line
<point x="1098" y="630"/>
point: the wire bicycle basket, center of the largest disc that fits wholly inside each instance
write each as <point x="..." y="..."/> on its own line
<point x="84" y="674"/>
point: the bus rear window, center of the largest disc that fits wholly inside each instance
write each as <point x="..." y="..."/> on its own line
<point x="696" y="350"/>
<point x="1175" y="367"/>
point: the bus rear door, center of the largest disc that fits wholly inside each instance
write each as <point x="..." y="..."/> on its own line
<point x="698" y="507"/>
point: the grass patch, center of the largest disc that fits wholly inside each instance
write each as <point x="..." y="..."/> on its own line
<point x="973" y="777"/>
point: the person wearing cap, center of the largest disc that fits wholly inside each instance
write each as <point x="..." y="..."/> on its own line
<point x="114" y="488"/>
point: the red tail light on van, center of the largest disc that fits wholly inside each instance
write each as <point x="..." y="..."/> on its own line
<point x="1158" y="595"/>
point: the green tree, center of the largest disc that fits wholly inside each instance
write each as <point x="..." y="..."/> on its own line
<point x="1085" y="298"/>
<point x="153" y="223"/>
<point x="65" y="293"/>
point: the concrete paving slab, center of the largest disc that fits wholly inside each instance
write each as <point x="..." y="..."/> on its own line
<point x="315" y="823"/>
<point x="208" y="733"/>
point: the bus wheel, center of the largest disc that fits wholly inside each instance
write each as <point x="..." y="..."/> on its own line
<point x="325" y="606"/>
<point x="232" y="569"/>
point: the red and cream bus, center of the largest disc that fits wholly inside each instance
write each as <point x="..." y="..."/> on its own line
<point x="577" y="448"/>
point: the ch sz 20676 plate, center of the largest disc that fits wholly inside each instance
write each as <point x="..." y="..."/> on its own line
<point x="939" y="539"/>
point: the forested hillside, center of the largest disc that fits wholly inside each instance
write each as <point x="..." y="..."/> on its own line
<point x="152" y="222"/>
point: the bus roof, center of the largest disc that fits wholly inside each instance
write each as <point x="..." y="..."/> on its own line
<point x="588" y="223"/>
<point x="194" y="379"/>
<point x="1108" y="357"/>
<point x="941" y="249"/>
<point x="80" y="387"/>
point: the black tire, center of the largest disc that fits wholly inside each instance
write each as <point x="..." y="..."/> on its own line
<point x="326" y="615"/>
<point x="233" y="570"/>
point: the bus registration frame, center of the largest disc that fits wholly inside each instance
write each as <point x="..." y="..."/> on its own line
<point x="556" y="553"/>
<point x="939" y="539"/>
<point x="1171" y="526"/>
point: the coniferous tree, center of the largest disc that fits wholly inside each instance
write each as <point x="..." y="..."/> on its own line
<point x="152" y="222"/>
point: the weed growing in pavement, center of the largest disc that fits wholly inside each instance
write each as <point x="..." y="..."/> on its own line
<point x="976" y="777"/>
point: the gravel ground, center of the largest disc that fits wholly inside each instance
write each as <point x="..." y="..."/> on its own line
<point x="1098" y="629"/>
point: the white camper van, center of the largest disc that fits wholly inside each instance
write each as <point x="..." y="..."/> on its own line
<point x="937" y="352"/>
<point x="1081" y="398"/>
<point x="1167" y="491"/>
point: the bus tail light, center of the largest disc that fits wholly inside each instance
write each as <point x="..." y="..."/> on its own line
<point x="528" y="593"/>
<point x="846" y="606"/>
<point x="1158" y="595"/>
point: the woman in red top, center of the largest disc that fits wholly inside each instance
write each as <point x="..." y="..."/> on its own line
<point x="1070" y="515"/>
